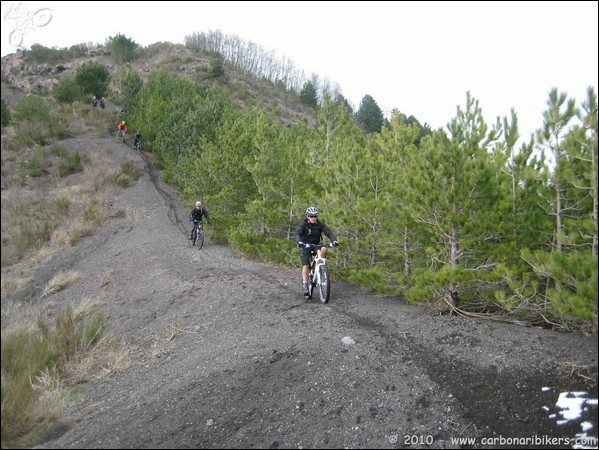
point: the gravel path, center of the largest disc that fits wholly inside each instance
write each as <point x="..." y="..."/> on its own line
<point x="226" y="353"/>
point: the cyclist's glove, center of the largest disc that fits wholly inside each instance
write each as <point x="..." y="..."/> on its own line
<point x="335" y="243"/>
<point x="300" y="245"/>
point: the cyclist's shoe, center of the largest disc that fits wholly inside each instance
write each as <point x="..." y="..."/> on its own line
<point x="305" y="287"/>
<point x="190" y="237"/>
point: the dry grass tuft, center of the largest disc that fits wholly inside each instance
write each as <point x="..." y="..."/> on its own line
<point x="60" y="282"/>
<point x="107" y="277"/>
<point x="132" y="217"/>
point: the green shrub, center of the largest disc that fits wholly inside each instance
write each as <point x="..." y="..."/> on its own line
<point x="128" y="174"/>
<point x="5" y="114"/>
<point x="36" y="166"/>
<point x="62" y="205"/>
<point x="78" y="50"/>
<point x="59" y="150"/>
<point x="67" y="90"/>
<point x="31" y="108"/>
<point x="33" y="364"/>
<point x="69" y="165"/>
<point x="40" y="54"/>
<point x="94" y="79"/>
<point x="122" y="49"/>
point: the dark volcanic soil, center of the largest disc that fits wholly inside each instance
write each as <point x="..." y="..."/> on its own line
<point x="226" y="353"/>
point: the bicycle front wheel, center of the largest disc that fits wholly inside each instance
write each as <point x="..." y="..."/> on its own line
<point x="310" y="286"/>
<point x="199" y="241"/>
<point x="324" y="287"/>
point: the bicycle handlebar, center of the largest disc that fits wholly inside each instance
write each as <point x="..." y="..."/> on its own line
<point x="330" y="245"/>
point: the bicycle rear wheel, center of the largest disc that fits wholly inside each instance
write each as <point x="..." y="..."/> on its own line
<point x="324" y="287"/>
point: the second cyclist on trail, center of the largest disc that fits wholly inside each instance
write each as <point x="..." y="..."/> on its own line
<point x="196" y="216"/>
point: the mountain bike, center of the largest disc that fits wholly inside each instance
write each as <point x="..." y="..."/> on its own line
<point x="137" y="145"/>
<point x="319" y="276"/>
<point x="197" y="236"/>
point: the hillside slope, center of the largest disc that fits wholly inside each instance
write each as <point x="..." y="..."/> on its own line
<point x="226" y="353"/>
<point x="21" y="77"/>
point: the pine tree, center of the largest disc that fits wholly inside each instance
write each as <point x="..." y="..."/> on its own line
<point x="369" y="116"/>
<point x="308" y="95"/>
<point x="550" y="138"/>
<point x="452" y="191"/>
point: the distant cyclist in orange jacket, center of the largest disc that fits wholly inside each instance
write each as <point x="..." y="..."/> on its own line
<point x="122" y="128"/>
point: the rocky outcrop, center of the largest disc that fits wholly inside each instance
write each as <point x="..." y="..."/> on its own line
<point x="32" y="78"/>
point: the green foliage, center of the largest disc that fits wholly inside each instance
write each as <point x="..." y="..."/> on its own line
<point x="61" y="204"/>
<point x="559" y="113"/>
<point x="76" y="334"/>
<point x="308" y="95"/>
<point x="430" y="213"/>
<point x="93" y="78"/>
<point x="129" y="84"/>
<point x="369" y="116"/>
<point x="376" y="278"/>
<point x="39" y="54"/>
<point x="122" y="49"/>
<point x="157" y="101"/>
<point x="435" y="287"/>
<point x="262" y="247"/>
<point x="29" y="356"/>
<point x="411" y="121"/>
<point x="37" y="120"/>
<point x="59" y="150"/>
<point x="78" y="50"/>
<point x="217" y="66"/>
<point x="573" y="291"/>
<point x="36" y="166"/>
<point x="69" y="165"/>
<point x="463" y="217"/>
<point x="127" y="175"/>
<point x="67" y="90"/>
<point x="74" y="236"/>
<point x="31" y="108"/>
<point x="5" y="114"/>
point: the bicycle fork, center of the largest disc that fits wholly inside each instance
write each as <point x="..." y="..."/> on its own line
<point x="314" y="269"/>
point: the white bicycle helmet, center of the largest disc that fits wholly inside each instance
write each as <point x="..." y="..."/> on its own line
<point x="312" y="211"/>
<point x="198" y="204"/>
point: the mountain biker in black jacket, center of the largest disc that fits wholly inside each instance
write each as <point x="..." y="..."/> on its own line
<point x="310" y="231"/>
<point x="137" y="139"/>
<point x="196" y="215"/>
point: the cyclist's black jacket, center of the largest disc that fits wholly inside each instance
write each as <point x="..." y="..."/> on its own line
<point x="311" y="233"/>
<point x="196" y="214"/>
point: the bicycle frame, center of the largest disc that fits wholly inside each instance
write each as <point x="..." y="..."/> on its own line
<point x="198" y="235"/>
<point x="319" y="274"/>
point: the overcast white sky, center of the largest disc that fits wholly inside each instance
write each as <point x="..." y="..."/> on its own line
<point x="419" y="57"/>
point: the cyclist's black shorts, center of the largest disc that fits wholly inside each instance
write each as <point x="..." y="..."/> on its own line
<point x="305" y="255"/>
